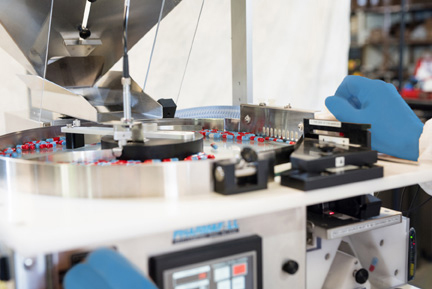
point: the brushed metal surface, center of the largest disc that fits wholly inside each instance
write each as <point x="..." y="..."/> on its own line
<point x="47" y="175"/>
<point x="100" y="103"/>
<point x="27" y="22"/>
<point x="45" y="39"/>
<point x="273" y="121"/>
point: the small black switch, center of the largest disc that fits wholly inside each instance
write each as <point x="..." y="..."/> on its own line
<point x="290" y="267"/>
<point x="4" y="269"/>
<point x="361" y="276"/>
<point x="168" y="107"/>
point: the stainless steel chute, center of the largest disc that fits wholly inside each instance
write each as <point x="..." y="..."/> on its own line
<point x="46" y="41"/>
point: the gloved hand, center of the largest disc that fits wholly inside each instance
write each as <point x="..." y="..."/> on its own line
<point x="106" y="269"/>
<point x="395" y="128"/>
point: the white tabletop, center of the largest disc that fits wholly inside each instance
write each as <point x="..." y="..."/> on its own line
<point x="32" y="224"/>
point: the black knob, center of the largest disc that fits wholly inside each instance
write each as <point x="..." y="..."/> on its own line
<point x="290" y="267"/>
<point x="327" y="148"/>
<point x="84" y="33"/>
<point x="361" y="276"/>
<point x="249" y="155"/>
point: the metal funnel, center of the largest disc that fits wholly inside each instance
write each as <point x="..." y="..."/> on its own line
<point x="44" y="38"/>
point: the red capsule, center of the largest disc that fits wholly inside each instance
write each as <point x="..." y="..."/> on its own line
<point x="50" y="146"/>
<point x="166" y="160"/>
<point x="211" y="157"/>
<point x="56" y="138"/>
<point x="267" y="138"/>
<point x="32" y="147"/>
<point x="292" y="142"/>
<point x="260" y="139"/>
<point x="252" y="138"/>
<point x="239" y="137"/>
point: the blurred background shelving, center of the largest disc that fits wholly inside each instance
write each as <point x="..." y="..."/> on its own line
<point x="390" y="40"/>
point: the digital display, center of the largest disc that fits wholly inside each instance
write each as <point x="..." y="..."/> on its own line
<point x="233" y="264"/>
<point x="233" y="272"/>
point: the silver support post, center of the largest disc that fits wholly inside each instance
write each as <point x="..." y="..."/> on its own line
<point x="127" y="115"/>
<point x="241" y="29"/>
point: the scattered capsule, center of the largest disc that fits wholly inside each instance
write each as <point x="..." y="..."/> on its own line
<point x="214" y="146"/>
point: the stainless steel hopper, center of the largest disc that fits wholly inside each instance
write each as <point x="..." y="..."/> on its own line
<point x="72" y="72"/>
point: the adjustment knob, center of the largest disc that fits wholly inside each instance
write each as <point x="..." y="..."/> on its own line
<point x="249" y="155"/>
<point x="84" y="33"/>
<point x="290" y="267"/>
<point x="361" y="276"/>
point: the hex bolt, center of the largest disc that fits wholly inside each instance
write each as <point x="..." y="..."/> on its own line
<point x="300" y="127"/>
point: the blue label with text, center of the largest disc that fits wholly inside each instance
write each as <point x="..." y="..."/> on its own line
<point x="206" y="231"/>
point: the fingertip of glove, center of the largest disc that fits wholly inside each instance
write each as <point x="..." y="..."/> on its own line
<point x="331" y="102"/>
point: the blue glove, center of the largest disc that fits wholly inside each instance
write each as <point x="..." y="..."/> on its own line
<point x="106" y="269"/>
<point x="395" y="128"/>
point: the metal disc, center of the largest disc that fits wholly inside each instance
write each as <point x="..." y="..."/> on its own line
<point x="157" y="148"/>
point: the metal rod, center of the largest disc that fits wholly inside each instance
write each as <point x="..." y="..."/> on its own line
<point x="46" y="58"/>
<point x="154" y="43"/>
<point x="126" y="81"/>
<point x="86" y="14"/>
<point x="190" y="52"/>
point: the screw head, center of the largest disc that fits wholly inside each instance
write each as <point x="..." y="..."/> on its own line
<point x="219" y="174"/>
<point x="29" y="263"/>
